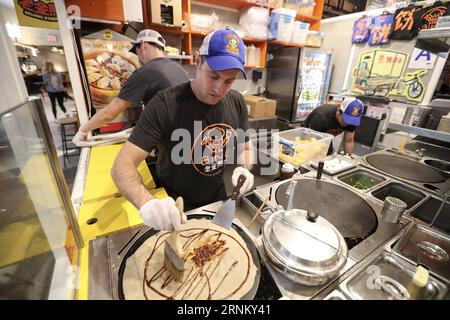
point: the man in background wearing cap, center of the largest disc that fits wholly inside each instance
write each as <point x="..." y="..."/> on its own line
<point x="156" y="73"/>
<point x="201" y="115"/>
<point x="336" y="119"/>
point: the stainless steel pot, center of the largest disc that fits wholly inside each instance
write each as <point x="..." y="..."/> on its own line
<point x="304" y="247"/>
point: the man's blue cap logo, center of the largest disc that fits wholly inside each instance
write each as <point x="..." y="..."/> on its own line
<point x="351" y="111"/>
<point x="224" y="50"/>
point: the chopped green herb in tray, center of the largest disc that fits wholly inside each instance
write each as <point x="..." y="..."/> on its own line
<point x="361" y="186"/>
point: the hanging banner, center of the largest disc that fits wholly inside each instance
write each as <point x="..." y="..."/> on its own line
<point x="421" y="59"/>
<point x="382" y="73"/>
<point x="40" y="14"/>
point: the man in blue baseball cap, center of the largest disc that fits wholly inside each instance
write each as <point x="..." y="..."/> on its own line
<point x="337" y="120"/>
<point x="195" y="125"/>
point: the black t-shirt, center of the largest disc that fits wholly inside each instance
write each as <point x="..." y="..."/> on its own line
<point x="430" y="15"/>
<point x="405" y="23"/>
<point x="195" y="141"/>
<point x="323" y="119"/>
<point x="145" y="82"/>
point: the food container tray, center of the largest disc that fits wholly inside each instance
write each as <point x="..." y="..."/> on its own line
<point x="362" y="180"/>
<point x="335" y="164"/>
<point x="425" y="246"/>
<point x="388" y="277"/>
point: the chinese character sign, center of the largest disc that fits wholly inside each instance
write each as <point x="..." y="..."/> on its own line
<point x="361" y="30"/>
<point x="380" y="29"/>
<point x="405" y="23"/>
<point x="32" y="13"/>
<point x="382" y="73"/>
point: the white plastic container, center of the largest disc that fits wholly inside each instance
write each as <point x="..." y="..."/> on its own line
<point x="282" y="24"/>
<point x="254" y="21"/>
<point x="300" y="32"/>
<point x="254" y="15"/>
<point x="203" y="22"/>
<point x="251" y="56"/>
<point x="305" y="145"/>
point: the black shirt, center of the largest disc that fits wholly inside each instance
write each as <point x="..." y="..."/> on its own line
<point x="323" y="119"/>
<point x="195" y="141"/>
<point x="430" y="15"/>
<point x="405" y="23"/>
<point x="145" y="82"/>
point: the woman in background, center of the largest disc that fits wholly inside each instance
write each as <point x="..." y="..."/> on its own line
<point x="54" y="88"/>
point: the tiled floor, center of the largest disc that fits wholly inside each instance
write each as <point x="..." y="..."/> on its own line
<point x="70" y="167"/>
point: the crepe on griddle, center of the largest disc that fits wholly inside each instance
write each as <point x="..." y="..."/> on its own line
<point x="218" y="266"/>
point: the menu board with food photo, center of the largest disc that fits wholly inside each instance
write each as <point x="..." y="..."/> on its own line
<point x="108" y="65"/>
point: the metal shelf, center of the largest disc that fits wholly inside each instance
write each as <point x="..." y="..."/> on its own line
<point x="434" y="40"/>
<point x="433" y="134"/>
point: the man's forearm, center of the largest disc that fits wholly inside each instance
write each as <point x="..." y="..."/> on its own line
<point x="245" y="155"/>
<point x="129" y="183"/>
<point x="105" y="115"/>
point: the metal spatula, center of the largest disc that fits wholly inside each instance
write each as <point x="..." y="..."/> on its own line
<point x="225" y="215"/>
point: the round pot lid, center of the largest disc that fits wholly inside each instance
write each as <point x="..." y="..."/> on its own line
<point x="305" y="242"/>
<point x="344" y="209"/>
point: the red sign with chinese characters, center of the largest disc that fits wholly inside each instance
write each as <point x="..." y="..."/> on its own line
<point x="41" y="13"/>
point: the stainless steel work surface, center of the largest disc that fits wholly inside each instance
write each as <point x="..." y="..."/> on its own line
<point x="430" y="150"/>
<point x="388" y="277"/>
<point x="426" y="246"/>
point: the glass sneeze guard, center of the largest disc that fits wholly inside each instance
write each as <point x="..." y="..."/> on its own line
<point x="39" y="235"/>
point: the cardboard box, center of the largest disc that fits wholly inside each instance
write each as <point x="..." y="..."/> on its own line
<point x="271" y="106"/>
<point x="260" y="107"/>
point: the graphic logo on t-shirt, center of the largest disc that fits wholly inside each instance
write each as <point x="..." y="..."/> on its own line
<point x="214" y="143"/>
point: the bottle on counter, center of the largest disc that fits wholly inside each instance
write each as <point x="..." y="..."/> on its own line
<point x="287" y="171"/>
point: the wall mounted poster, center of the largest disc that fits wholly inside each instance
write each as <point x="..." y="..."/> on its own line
<point x="108" y="65"/>
<point x="381" y="72"/>
<point x="421" y="59"/>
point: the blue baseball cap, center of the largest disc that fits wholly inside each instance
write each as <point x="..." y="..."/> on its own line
<point x="352" y="109"/>
<point x="224" y="50"/>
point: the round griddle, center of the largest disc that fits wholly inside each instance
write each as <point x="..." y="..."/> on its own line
<point x="350" y="214"/>
<point x="405" y="168"/>
<point x="250" y="295"/>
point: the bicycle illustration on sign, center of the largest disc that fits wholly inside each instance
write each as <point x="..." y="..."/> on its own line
<point x="381" y="73"/>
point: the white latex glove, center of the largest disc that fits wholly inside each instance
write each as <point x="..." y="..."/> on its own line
<point x="162" y="214"/>
<point x="249" y="178"/>
<point x="79" y="136"/>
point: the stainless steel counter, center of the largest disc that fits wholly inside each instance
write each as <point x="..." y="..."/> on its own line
<point x="102" y="283"/>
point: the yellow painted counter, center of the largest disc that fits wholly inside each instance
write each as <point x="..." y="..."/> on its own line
<point x="104" y="210"/>
<point x="99" y="183"/>
<point x="111" y="215"/>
